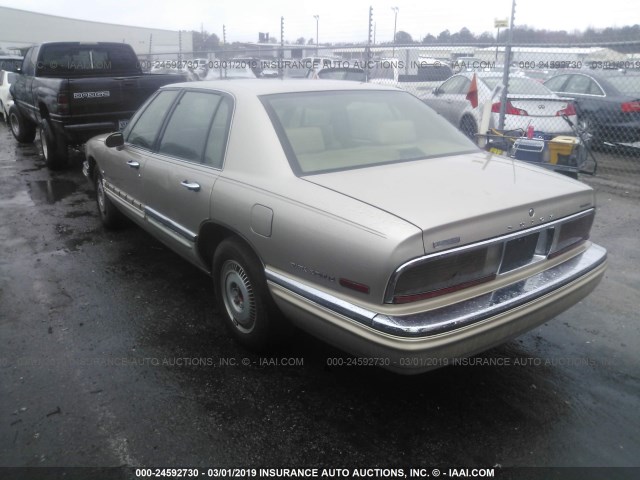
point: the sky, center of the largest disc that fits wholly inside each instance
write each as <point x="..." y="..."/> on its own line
<point x="339" y="20"/>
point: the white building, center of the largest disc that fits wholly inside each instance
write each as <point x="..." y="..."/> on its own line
<point x="20" y="29"/>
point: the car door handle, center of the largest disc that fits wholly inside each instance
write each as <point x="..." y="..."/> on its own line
<point x="190" y="185"/>
<point x="133" y="164"/>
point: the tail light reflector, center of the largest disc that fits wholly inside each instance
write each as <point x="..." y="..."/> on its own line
<point x="568" y="111"/>
<point x="510" y="110"/>
<point x="628" y="107"/>
<point x="63" y="103"/>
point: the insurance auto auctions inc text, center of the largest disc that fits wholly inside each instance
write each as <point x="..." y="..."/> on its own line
<point x="375" y="473"/>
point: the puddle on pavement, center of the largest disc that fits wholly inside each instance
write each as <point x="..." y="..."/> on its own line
<point x="51" y="191"/>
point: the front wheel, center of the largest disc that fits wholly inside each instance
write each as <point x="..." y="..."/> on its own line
<point x="110" y="216"/>
<point x="243" y="298"/>
<point x="22" y="129"/>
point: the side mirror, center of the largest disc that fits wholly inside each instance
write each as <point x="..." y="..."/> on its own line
<point x="114" y="140"/>
<point x="436" y="91"/>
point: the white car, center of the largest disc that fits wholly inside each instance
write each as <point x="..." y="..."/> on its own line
<point x="529" y="104"/>
<point x="6" y="100"/>
<point x="230" y="69"/>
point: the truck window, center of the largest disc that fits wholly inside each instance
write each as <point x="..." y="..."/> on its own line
<point x="68" y="60"/>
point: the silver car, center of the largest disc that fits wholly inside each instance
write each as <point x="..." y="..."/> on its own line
<point x="353" y="211"/>
<point x="529" y="104"/>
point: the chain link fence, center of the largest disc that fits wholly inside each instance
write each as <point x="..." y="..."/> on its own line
<point x="573" y="94"/>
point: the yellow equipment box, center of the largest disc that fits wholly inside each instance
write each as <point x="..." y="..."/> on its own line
<point x="561" y="148"/>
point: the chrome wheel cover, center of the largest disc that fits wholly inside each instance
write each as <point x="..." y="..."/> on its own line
<point x="100" y="197"/>
<point x="238" y="296"/>
<point x="15" y="125"/>
<point x="45" y="148"/>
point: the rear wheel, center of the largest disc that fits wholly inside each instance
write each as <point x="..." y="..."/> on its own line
<point x="243" y="298"/>
<point x="22" y="129"/>
<point x="54" y="147"/>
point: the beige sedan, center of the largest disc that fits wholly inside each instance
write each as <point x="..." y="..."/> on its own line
<point x="353" y="211"/>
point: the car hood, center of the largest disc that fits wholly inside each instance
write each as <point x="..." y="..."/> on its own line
<point x="465" y="198"/>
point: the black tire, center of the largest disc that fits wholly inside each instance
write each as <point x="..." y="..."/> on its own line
<point x="586" y="125"/>
<point x="468" y="127"/>
<point x="110" y="216"/>
<point x="22" y="129"/>
<point x="243" y="299"/>
<point x="55" y="151"/>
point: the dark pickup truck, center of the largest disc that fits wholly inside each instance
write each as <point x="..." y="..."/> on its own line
<point x="71" y="91"/>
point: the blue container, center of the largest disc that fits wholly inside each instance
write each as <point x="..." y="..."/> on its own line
<point x="529" y="150"/>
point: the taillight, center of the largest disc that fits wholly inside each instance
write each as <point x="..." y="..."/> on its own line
<point x="465" y="267"/>
<point x="568" y="111"/>
<point x="510" y="110"/>
<point x="628" y="107"/>
<point x="448" y="273"/>
<point x="63" y="103"/>
<point x="571" y="234"/>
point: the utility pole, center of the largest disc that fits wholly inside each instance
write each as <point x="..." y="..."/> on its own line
<point x="368" y="49"/>
<point x="395" y="24"/>
<point x="507" y="67"/>
<point x="317" y="17"/>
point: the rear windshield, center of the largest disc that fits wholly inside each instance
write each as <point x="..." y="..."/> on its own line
<point x="61" y="60"/>
<point x="341" y="130"/>
<point x="519" y="85"/>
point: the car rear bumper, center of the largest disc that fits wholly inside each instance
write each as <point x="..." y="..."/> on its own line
<point x="420" y="342"/>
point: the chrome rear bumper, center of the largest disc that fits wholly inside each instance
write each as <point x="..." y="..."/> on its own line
<point x="452" y="317"/>
<point x="427" y="340"/>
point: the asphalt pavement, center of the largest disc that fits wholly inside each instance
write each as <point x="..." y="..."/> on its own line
<point x="111" y="354"/>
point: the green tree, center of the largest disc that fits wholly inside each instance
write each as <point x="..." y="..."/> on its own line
<point x="403" y="38"/>
<point x="205" y="41"/>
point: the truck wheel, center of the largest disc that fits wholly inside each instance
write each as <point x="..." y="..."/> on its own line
<point x="110" y="216"/>
<point x="22" y="129"/>
<point x="54" y="147"/>
<point x="243" y="298"/>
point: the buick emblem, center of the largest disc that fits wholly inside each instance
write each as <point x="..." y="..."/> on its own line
<point x="541" y="107"/>
<point x="532" y="212"/>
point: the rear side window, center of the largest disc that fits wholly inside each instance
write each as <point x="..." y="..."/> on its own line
<point x="584" y="85"/>
<point x="145" y="130"/>
<point x="455" y="85"/>
<point x="555" y="84"/>
<point x="214" y="152"/>
<point x="188" y="128"/>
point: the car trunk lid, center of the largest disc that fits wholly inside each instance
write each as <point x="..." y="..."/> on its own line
<point x="461" y="199"/>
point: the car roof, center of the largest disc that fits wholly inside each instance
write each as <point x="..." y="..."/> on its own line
<point x="254" y="87"/>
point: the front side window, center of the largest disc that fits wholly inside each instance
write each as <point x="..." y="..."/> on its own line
<point x="340" y="130"/>
<point x="188" y="128"/>
<point x="146" y="127"/>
